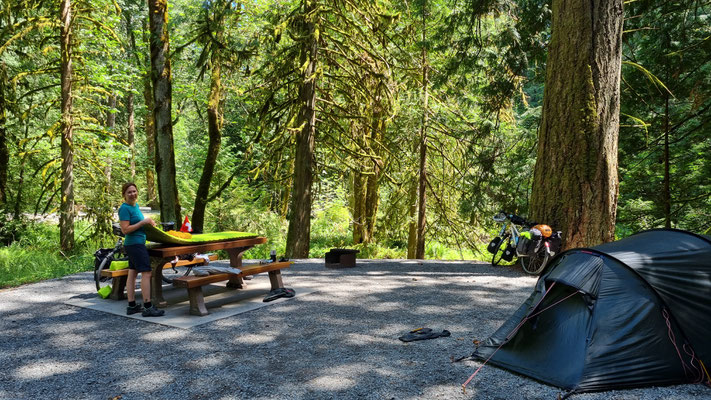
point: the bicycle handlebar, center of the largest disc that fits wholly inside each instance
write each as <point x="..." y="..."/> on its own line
<point x="518" y="220"/>
<point x="117" y="230"/>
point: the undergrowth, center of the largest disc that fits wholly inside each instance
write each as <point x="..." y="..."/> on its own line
<point x="35" y="255"/>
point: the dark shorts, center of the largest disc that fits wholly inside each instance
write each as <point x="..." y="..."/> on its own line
<point x="138" y="257"/>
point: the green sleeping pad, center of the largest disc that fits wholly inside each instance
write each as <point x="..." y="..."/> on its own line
<point x="156" y="235"/>
<point x="117" y="265"/>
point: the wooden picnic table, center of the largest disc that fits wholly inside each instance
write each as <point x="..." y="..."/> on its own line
<point x="163" y="253"/>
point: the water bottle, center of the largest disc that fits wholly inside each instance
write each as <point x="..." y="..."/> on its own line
<point x="272" y="255"/>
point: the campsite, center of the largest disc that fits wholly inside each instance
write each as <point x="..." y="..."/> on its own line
<point x="346" y="199"/>
<point x="340" y="341"/>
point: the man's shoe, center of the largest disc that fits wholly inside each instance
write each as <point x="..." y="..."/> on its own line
<point x="133" y="310"/>
<point x="152" y="311"/>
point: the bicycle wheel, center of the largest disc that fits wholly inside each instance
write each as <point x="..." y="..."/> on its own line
<point x="102" y="281"/>
<point x="533" y="265"/>
<point x="499" y="250"/>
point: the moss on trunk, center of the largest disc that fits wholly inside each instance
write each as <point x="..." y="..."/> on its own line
<point x="575" y="181"/>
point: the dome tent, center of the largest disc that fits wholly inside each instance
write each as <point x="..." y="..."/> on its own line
<point x="625" y="314"/>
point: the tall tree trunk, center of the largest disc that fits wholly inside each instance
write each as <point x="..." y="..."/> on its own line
<point x="66" y="208"/>
<point x="162" y="97"/>
<point x="299" y="234"/>
<point x="666" y="195"/>
<point x="214" y="130"/>
<point x="358" y="207"/>
<point x="421" y="212"/>
<point x="150" y="127"/>
<point x="372" y="198"/>
<point x="111" y="126"/>
<point x="4" y="154"/>
<point x="359" y="187"/>
<point x="21" y="176"/>
<point x="412" y="216"/>
<point x="575" y="180"/>
<point x="149" y="123"/>
<point x="111" y="111"/>
<point x="412" y="208"/>
<point x="131" y="135"/>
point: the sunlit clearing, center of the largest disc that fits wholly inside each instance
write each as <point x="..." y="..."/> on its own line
<point x="46" y="368"/>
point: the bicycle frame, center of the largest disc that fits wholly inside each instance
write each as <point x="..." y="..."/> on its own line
<point x="515" y="234"/>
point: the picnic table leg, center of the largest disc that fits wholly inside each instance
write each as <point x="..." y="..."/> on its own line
<point x="157" y="281"/>
<point x="235" y="282"/>
<point x="197" y="302"/>
<point x="118" y="288"/>
<point x="236" y="256"/>
<point x="275" y="279"/>
<point x="236" y="262"/>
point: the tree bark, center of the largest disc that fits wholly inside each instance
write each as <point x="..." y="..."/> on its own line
<point x="299" y="233"/>
<point x="21" y="176"/>
<point x="372" y="197"/>
<point x="148" y="122"/>
<point x="110" y="113"/>
<point x="666" y="193"/>
<point x="131" y="135"/>
<point x="412" y="215"/>
<point x="359" y="187"/>
<point x="358" y="207"/>
<point x="162" y="97"/>
<point x="150" y="127"/>
<point x="422" y="185"/>
<point x="111" y="126"/>
<point x="575" y="179"/>
<point x="4" y="154"/>
<point x="130" y="107"/>
<point x="214" y="130"/>
<point x="66" y="208"/>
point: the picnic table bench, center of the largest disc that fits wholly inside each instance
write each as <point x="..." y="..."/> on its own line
<point x="118" y="288"/>
<point x="194" y="284"/>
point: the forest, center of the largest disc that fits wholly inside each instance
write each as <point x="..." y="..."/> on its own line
<point x="395" y="127"/>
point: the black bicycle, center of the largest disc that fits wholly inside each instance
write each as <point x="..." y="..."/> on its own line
<point x="503" y="246"/>
<point x="517" y="238"/>
<point x="104" y="257"/>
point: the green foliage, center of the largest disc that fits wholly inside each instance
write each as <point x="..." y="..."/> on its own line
<point x="244" y="209"/>
<point x="665" y="93"/>
<point x="330" y="229"/>
<point x="486" y="63"/>
<point x="11" y="230"/>
<point x="34" y="256"/>
<point x="20" y="265"/>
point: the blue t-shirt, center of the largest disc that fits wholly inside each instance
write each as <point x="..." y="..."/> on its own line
<point x="133" y="215"/>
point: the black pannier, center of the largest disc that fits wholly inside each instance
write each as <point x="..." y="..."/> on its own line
<point x="529" y="246"/>
<point x="491" y="248"/>
<point x="522" y="246"/>
<point x="555" y="241"/>
<point x="509" y="252"/>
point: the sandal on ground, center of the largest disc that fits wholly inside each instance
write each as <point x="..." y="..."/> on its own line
<point x="278" y="293"/>
<point x="423" y="334"/>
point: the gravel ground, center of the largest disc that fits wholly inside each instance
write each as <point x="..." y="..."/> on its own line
<point x="338" y="342"/>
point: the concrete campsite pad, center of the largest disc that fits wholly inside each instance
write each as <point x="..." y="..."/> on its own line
<point x="339" y="341"/>
<point x="220" y="302"/>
